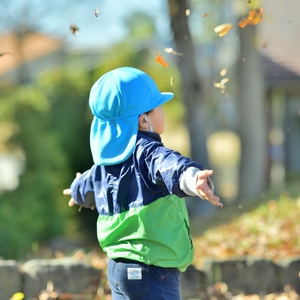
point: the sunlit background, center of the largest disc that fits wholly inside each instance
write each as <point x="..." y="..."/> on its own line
<point x="234" y="66"/>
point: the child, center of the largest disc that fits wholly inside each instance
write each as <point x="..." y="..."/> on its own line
<point x="138" y="187"/>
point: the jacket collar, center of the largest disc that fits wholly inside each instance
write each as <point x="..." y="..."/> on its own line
<point x="148" y="134"/>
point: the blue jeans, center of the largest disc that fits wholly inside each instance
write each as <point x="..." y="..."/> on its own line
<point x="134" y="280"/>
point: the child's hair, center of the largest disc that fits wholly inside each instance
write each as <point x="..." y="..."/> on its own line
<point x="148" y="112"/>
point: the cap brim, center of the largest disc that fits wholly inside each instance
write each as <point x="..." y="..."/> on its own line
<point x="112" y="142"/>
<point x="165" y="97"/>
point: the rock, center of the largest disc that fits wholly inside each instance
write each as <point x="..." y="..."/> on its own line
<point x="10" y="279"/>
<point x="68" y="275"/>
<point x="290" y="274"/>
<point x="192" y="280"/>
<point x="250" y="276"/>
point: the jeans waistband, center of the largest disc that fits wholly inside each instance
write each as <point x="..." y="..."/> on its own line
<point x="129" y="261"/>
<point x="126" y="261"/>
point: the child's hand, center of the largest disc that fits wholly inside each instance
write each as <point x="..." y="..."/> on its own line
<point x="204" y="189"/>
<point x="68" y="192"/>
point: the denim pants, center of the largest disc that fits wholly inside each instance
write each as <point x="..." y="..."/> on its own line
<point x="135" y="280"/>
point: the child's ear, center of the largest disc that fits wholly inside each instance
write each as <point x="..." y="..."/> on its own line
<point x="143" y="124"/>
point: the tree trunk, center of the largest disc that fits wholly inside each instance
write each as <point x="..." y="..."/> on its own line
<point x="192" y="93"/>
<point x="191" y="85"/>
<point x="253" y="124"/>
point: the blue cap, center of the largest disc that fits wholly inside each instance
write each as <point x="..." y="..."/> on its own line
<point x="116" y="101"/>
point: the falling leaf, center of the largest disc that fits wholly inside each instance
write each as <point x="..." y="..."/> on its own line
<point x="171" y="80"/>
<point x="204" y="15"/>
<point x="224" y="81"/>
<point x="242" y="23"/>
<point x="171" y="50"/>
<point x="221" y="85"/>
<point x="255" y="16"/>
<point x="74" y="29"/>
<point x="187" y="12"/>
<point x="17" y="296"/>
<point x="223" y="72"/>
<point x="223" y="29"/>
<point x="160" y="60"/>
<point x="97" y="11"/>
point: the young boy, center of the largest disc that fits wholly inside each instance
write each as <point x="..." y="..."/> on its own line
<point x="138" y="187"/>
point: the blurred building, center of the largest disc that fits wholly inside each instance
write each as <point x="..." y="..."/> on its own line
<point x="24" y="56"/>
<point x="280" y="50"/>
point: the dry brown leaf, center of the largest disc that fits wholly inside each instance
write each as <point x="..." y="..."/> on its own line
<point x="223" y="29"/>
<point x="161" y="61"/>
<point x="74" y="29"/>
<point x="242" y="23"/>
<point x="255" y="16"/>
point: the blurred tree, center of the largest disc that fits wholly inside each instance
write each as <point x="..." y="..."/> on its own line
<point x="193" y="91"/>
<point x="50" y="116"/>
<point x="252" y="117"/>
<point x="32" y="213"/>
<point x="251" y="107"/>
<point x="193" y="95"/>
<point x="253" y="124"/>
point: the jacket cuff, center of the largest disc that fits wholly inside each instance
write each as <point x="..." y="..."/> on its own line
<point x="188" y="182"/>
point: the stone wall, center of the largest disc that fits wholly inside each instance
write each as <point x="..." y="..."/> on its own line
<point x="244" y="276"/>
<point x="68" y="275"/>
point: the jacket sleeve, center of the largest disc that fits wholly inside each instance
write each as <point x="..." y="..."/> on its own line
<point x="83" y="189"/>
<point x="167" y="166"/>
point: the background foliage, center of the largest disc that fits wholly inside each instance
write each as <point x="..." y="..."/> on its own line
<point x="52" y="121"/>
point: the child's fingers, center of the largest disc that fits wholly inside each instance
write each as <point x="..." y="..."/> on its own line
<point x="208" y="195"/>
<point x="71" y="202"/>
<point x="205" y="173"/>
<point x="67" y="192"/>
<point x="216" y="202"/>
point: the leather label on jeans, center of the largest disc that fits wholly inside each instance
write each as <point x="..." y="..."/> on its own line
<point x="134" y="273"/>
